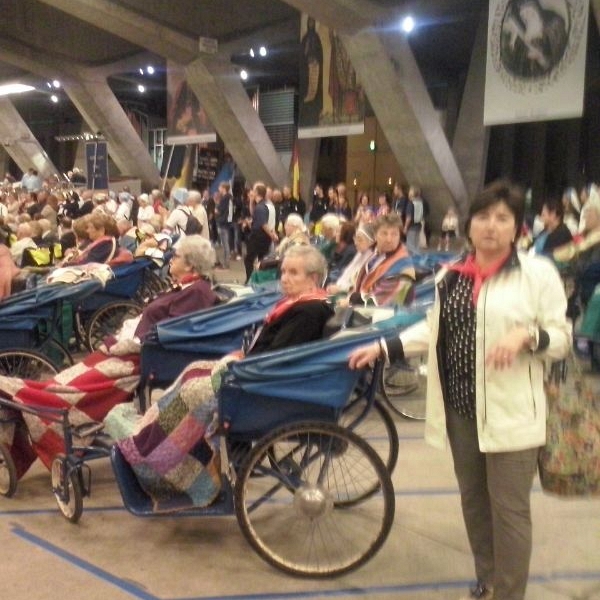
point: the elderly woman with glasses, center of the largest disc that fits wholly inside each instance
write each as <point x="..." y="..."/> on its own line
<point x="110" y="375"/>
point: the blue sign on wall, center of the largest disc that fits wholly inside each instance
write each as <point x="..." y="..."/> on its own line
<point x="96" y="158"/>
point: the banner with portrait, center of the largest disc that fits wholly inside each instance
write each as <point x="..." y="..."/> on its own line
<point x="187" y="122"/>
<point x="536" y="52"/>
<point x="331" y="100"/>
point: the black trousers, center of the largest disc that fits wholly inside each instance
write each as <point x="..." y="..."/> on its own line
<point x="257" y="246"/>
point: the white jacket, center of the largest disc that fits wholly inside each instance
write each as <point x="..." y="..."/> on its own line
<point x="510" y="403"/>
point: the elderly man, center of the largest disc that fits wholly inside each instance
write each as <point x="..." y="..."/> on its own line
<point x="198" y="210"/>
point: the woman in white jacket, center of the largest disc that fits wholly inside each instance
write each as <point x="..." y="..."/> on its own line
<point x="498" y="317"/>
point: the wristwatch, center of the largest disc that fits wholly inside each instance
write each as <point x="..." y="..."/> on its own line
<point x="534" y="337"/>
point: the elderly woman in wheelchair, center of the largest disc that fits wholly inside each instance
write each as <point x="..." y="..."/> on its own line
<point x="110" y="375"/>
<point x="183" y="418"/>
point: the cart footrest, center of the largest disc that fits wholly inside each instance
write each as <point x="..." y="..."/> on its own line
<point x="139" y="503"/>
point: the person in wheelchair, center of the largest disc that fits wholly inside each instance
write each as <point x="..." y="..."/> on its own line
<point x="183" y="418"/>
<point x="580" y="260"/>
<point x="111" y="375"/>
<point x="388" y="277"/>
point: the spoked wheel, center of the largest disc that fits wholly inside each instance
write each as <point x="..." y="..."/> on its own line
<point x="404" y="387"/>
<point x="107" y="320"/>
<point x="26" y="364"/>
<point x="302" y="515"/>
<point x="152" y="285"/>
<point x="67" y="489"/>
<point x="376" y="427"/>
<point x="8" y="473"/>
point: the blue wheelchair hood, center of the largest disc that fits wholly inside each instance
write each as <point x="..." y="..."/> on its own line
<point x="128" y="278"/>
<point x="216" y="330"/>
<point x="45" y="295"/>
<point x="316" y="372"/>
<point x="305" y="382"/>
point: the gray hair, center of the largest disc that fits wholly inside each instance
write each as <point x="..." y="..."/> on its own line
<point x="295" y="220"/>
<point x="331" y="221"/>
<point x="314" y="262"/>
<point x="194" y="196"/>
<point x="197" y="253"/>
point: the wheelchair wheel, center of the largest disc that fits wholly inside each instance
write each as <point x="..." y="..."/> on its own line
<point x="107" y="320"/>
<point x="297" y="517"/>
<point x="8" y="473"/>
<point x="376" y="427"/>
<point x="26" y="364"/>
<point x="67" y="489"/>
<point x="404" y="387"/>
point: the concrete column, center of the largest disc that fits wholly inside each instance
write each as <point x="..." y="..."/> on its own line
<point x="388" y="72"/>
<point x="226" y="102"/>
<point x="94" y="99"/>
<point x="20" y="143"/>
<point x="101" y="110"/>
<point x="471" y="138"/>
<point x="386" y="68"/>
<point x="219" y="91"/>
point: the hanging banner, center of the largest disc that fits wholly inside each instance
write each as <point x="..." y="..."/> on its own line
<point x="535" y="60"/>
<point x="331" y="101"/>
<point x="96" y="162"/>
<point x="187" y="122"/>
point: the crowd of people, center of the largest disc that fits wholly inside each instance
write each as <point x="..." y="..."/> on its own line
<point x="499" y="316"/>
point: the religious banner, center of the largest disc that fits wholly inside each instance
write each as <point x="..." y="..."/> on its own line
<point x="187" y="122"/>
<point x="331" y="100"/>
<point x="96" y="162"/>
<point x="536" y="53"/>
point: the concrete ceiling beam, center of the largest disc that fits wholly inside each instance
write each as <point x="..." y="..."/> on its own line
<point x="347" y="16"/>
<point x="216" y="85"/>
<point x="389" y="74"/>
<point x="95" y="101"/>
<point x="131" y="26"/>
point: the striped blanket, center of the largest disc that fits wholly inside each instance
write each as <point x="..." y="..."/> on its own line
<point x="88" y="389"/>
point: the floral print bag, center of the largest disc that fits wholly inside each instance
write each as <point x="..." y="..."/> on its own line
<point x="569" y="463"/>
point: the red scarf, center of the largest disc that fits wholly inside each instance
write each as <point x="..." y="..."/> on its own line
<point x="479" y="275"/>
<point x="286" y="303"/>
<point x="189" y="278"/>
<point x="368" y="280"/>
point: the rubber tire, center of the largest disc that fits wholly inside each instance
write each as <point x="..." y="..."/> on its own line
<point x="408" y="401"/>
<point x="73" y="509"/>
<point x="26" y="364"/>
<point x="279" y="532"/>
<point x="107" y="320"/>
<point x="7" y="464"/>
<point x="390" y="456"/>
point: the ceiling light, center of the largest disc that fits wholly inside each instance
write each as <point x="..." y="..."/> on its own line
<point x="54" y="98"/>
<point x="56" y="83"/>
<point x="244" y="74"/>
<point x="141" y="88"/>
<point x="262" y="51"/>
<point x="14" y="88"/>
<point x="408" y="24"/>
<point x="252" y="52"/>
<point x="150" y="70"/>
<point x="49" y="84"/>
<point x="141" y="71"/>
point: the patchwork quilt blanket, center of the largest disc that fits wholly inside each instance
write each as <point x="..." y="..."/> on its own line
<point x="174" y="449"/>
<point x="88" y="390"/>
